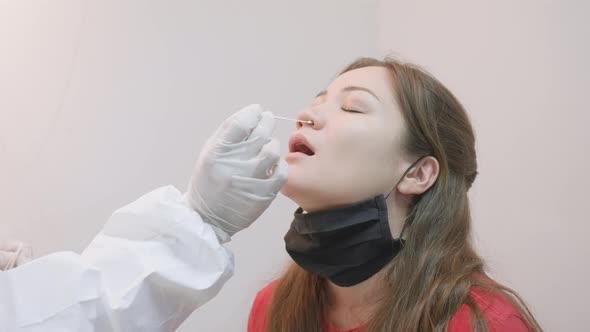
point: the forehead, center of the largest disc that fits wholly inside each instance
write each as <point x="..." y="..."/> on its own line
<point x="376" y="79"/>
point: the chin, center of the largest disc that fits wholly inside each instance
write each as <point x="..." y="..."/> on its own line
<point x="290" y="189"/>
<point x="295" y="182"/>
<point x="296" y="191"/>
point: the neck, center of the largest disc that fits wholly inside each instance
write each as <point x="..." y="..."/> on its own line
<point x="361" y="295"/>
<point x="351" y="307"/>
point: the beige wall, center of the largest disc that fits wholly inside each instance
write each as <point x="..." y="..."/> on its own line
<point x="101" y="101"/>
<point x="521" y="69"/>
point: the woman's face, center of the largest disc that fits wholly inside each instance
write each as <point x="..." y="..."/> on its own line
<point x="355" y="143"/>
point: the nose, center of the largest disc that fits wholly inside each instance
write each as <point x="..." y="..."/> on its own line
<point x="309" y="115"/>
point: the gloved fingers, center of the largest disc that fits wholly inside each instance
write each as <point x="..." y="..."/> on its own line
<point x="267" y="158"/>
<point x="280" y="175"/>
<point x="264" y="128"/>
<point x="240" y="125"/>
<point x="261" y="189"/>
<point x="252" y="145"/>
<point x="245" y="150"/>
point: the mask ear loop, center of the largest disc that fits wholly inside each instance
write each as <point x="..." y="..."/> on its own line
<point x="402" y="177"/>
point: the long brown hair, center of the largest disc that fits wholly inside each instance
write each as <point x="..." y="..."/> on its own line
<point x="431" y="277"/>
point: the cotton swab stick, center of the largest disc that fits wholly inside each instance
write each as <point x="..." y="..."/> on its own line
<point x="309" y="122"/>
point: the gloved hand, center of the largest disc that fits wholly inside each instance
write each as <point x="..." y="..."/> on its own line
<point x="13" y="254"/>
<point x="239" y="172"/>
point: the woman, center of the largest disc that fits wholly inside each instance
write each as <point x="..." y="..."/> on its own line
<point x="384" y="243"/>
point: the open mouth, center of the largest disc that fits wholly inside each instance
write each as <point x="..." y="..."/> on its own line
<point x="298" y="143"/>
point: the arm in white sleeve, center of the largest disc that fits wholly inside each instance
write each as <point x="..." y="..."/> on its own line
<point x="151" y="266"/>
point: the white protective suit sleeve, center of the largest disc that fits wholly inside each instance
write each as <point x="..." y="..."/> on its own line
<point x="151" y="266"/>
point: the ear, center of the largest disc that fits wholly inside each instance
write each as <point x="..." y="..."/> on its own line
<point x="420" y="178"/>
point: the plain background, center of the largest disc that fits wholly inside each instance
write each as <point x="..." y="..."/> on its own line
<point x="101" y="101"/>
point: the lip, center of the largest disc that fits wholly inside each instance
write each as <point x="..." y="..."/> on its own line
<point x="296" y="139"/>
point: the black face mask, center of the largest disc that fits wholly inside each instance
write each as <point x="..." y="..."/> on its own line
<point x="348" y="244"/>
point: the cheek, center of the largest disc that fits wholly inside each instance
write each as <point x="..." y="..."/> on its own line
<point x="359" y="160"/>
<point x="360" y="146"/>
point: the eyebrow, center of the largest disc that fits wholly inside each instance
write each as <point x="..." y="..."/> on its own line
<point x="351" y="88"/>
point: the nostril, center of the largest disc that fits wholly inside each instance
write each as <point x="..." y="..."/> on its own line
<point x="302" y="123"/>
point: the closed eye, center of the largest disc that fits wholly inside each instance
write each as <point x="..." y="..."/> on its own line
<point x="350" y="110"/>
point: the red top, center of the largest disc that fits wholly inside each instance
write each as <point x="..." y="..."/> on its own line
<point x="499" y="314"/>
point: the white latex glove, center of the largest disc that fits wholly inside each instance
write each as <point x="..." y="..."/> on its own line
<point x="239" y="172"/>
<point x="13" y="254"/>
